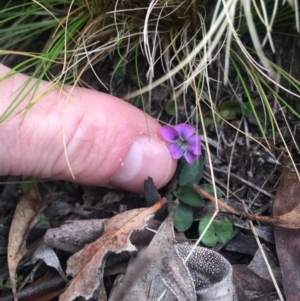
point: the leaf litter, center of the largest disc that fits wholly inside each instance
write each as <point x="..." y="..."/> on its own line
<point x="169" y="268"/>
<point x="286" y="221"/>
<point x="87" y="265"/>
<point x="168" y="261"/>
<point x="206" y="275"/>
<point x="25" y="217"/>
<point x="290" y="220"/>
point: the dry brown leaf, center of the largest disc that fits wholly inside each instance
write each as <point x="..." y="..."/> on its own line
<point x="253" y="282"/>
<point x="250" y="281"/>
<point x="25" y="217"/>
<point x="49" y="257"/>
<point x="87" y="265"/>
<point x="291" y="219"/>
<point x="286" y="202"/>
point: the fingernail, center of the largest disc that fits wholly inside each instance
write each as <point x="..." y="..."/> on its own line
<point x="147" y="157"/>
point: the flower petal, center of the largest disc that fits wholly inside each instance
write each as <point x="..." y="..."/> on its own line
<point x="169" y="133"/>
<point x="190" y="157"/>
<point x="185" y="131"/>
<point x="194" y="143"/>
<point x="176" y="151"/>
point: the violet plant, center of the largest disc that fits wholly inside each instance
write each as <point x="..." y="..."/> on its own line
<point x="184" y="141"/>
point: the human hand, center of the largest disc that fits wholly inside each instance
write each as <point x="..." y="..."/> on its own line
<point x="106" y="140"/>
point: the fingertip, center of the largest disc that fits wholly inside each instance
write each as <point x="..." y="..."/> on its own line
<point x="147" y="157"/>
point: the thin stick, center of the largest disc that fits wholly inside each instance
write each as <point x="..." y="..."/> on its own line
<point x="219" y="202"/>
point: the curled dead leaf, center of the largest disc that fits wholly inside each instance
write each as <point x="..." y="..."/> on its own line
<point x="286" y="209"/>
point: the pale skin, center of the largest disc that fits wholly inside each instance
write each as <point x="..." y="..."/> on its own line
<point x="106" y="140"/>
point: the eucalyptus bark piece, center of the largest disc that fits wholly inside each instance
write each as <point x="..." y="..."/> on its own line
<point x="74" y="235"/>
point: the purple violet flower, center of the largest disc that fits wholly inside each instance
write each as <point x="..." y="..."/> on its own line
<point x="184" y="141"/>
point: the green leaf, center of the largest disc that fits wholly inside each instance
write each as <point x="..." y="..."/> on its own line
<point x="183" y="218"/>
<point x="189" y="196"/>
<point x="209" y="188"/>
<point x="191" y="173"/>
<point x="210" y="238"/>
<point x="170" y="108"/>
<point x="118" y="66"/>
<point x="210" y="120"/>
<point x="7" y="285"/>
<point x="224" y="230"/>
<point x="217" y="232"/>
<point x="121" y="71"/>
<point x="229" y="110"/>
<point x="246" y="109"/>
<point x="43" y="221"/>
<point x="26" y="186"/>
